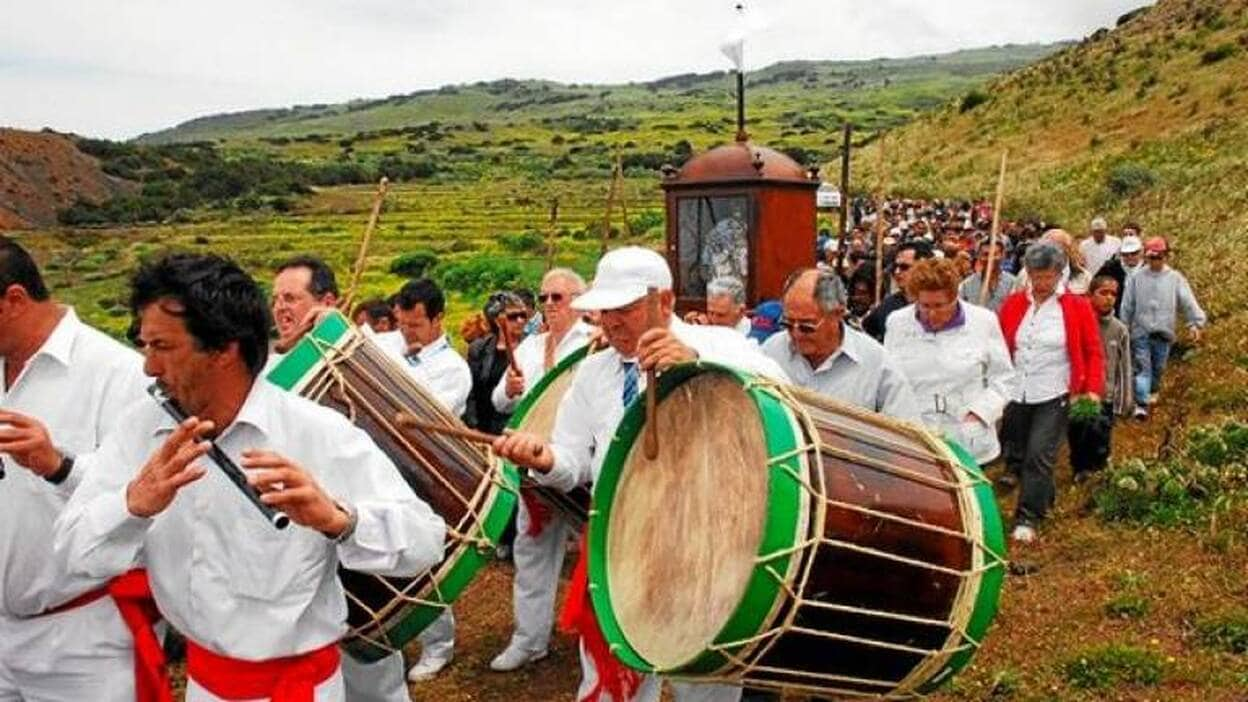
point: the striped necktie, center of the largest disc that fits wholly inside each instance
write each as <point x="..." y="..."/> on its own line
<point x="631" y="377"/>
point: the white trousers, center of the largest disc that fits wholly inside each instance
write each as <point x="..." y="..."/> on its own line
<point x="651" y="686"/>
<point x="538" y="560"/>
<point x="83" y="654"/>
<point x="381" y="681"/>
<point x="329" y="691"/>
<point x="438" y="639"/>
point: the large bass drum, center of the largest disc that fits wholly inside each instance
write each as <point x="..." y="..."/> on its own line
<point x="536" y="415"/>
<point x="785" y="540"/>
<point x="337" y="366"/>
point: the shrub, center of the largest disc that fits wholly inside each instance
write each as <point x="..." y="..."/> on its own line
<point x="522" y="242"/>
<point x="1127" y="179"/>
<point x="1105" y="667"/>
<point x="1227" y="631"/>
<point x="1217" y="53"/>
<point x="1128" y="605"/>
<point x="413" y="264"/>
<point x="481" y="274"/>
<point x="973" y="99"/>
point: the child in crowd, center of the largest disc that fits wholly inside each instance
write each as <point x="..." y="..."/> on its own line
<point x="1090" y="439"/>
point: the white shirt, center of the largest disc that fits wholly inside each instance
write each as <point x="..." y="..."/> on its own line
<point x="860" y="373"/>
<point x="743" y="326"/>
<point x="956" y="371"/>
<point x="593" y="405"/>
<point x="1040" y="353"/>
<point x="1095" y="255"/>
<point x="77" y="385"/>
<point x="531" y="358"/>
<point x="438" y="368"/>
<point x="219" y="572"/>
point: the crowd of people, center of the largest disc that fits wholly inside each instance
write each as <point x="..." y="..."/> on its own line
<point x="989" y="343"/>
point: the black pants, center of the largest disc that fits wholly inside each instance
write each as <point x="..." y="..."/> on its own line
<point x="1090" y="441"/>
<point x="1030" y="437"/>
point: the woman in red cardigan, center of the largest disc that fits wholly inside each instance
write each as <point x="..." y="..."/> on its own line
<point x="1055" y="341"/>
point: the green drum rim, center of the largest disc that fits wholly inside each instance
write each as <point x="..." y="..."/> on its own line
<point x="464" y="562"/>
<point x="531" y="397"/>
<point x="987" y="598"/>
<point x="780" y="529"/>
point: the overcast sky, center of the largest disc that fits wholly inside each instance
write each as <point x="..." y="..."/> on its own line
<point x="118" y="69"/>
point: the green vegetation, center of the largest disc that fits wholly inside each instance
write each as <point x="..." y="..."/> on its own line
<point x="1113" y="665"/>
<point x="1226" y="631"/>
<point x="1208" y="478"/>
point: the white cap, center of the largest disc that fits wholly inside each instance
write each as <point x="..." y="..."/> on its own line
<point x="1099" y="224"/>
<point x="623" y="277"/>
<point x="1131" y="244"/>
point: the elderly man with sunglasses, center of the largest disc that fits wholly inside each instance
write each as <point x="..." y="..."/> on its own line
<point x="821" y="353"/>
<point x="540" y="533"/>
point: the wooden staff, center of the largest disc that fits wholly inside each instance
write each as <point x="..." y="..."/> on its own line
<point x="842" y="235"/>
<point x="879" y="227"/>
<point x="651" y="437"/>
<point x="985" y="290"/>
<point x="510" y="345"/>
<point x="362" y="255"/>
<point x="550" y="233"/>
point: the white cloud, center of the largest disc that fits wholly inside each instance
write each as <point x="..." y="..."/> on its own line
<point x="119" y="69"/>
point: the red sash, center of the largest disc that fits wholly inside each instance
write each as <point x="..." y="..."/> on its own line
<point x="290" y="679"/>
<point x="539" y="512"/>
<point x="577" y="617"/>
<point x="133" y="597"/>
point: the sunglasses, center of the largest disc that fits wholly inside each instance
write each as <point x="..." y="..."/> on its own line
<point x="518" y="316"/>
<point x="553" y="298"/>
<point x="803" y="327"/>
<point x="902" y="266"/>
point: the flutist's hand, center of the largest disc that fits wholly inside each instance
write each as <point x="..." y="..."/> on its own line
<point x="169" y="469"/>
<point x="284" y="485"/>
<point x="526" y="451"/>
<point x="27" y="441"/>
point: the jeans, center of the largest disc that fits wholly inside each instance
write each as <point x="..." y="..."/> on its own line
<point x="1030" y="437"/>
<point x="1148" y="357"/>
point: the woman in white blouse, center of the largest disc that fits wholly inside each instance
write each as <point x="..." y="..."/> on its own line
<point x="955" y="358"/>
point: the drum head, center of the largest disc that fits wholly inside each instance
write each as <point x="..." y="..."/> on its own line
<point x="685" y="529"/>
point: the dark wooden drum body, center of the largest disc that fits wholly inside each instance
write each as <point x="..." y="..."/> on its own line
<point x="338" y="367"/>
<point x="784" y="540"/>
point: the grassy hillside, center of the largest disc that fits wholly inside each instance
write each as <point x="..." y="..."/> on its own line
<point x="1147" y="122"/>
<point x="540" y="128"/>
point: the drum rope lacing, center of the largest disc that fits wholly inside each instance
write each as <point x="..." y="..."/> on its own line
<point x="333" y="380"/>
<point x="743" y="652"/>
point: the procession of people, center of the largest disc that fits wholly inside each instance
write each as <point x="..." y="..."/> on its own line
<point x="133" y="481"/>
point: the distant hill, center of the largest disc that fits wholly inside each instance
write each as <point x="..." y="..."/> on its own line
<point x="798" y="105"/>
<point x="42" y="173"/>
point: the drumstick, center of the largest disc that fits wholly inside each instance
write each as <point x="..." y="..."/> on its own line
<point x="410" y="421"/>
<point x="652" y="431"/>
<point x="511" y="347"/>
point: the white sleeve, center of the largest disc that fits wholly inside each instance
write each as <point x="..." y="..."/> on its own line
<point x="895" y="397"/>
<point x="993" y="393"/>
<point x="451" y="386"/>
<point x="397" y="533"/>
<point x="96" y="534"/>
<point x="572" y="440"/>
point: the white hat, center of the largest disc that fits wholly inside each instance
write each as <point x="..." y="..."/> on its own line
<point x="1131" y="244"/>
<point x="623" y="277"/>
<point x="1099" y="224"/>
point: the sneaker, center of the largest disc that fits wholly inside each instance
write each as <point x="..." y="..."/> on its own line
<point x="1023" y="534"/>
<point x="1140" y="413"/>
<point x="514" y="658"/>
<point x="427" y="668"/>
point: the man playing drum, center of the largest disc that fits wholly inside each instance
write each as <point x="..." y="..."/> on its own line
<point x="262" y="609"/>
<point x="541" y="535"/>
<point x="423" y="349"/>
<point x="604" y="384"/>
<point x="64" y="386"/>
<point x="820" y="352"/>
